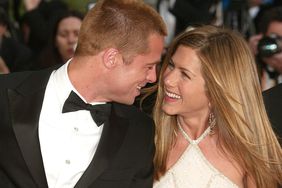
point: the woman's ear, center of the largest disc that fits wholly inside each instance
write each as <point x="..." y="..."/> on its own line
<point x="110" y="57"/>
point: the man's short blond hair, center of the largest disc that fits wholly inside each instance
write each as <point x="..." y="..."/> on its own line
<point x="121" y="24"/>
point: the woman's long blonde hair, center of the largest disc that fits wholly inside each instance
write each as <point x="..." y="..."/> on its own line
<point x="233" y="88"/>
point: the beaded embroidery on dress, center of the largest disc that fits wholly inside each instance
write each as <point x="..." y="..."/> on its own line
<point x="193" y="170"/>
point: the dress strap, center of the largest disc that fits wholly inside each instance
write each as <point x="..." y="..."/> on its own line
<point x="198" y="140"/>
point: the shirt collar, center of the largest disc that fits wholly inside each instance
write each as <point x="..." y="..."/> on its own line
<point x="64" y="86"/>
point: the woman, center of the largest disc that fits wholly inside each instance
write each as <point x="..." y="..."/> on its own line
<point x="211" y="126"/>
<point x="62" y="41"/>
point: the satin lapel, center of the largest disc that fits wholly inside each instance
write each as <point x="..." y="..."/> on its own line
<point x="111" y="140"/>
<point x="25" y="104"/>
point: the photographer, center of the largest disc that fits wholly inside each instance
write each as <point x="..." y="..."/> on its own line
<point x="267" y="47"/>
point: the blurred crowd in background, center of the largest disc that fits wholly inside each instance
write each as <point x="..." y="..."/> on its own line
<point x="36" y="34"/>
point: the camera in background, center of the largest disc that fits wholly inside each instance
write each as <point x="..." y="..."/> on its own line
<point x="269" y="45"/>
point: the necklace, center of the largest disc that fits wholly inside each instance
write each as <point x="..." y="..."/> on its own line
<point x="199" y="139"/>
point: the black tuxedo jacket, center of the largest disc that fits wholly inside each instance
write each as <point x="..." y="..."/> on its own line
<point x="123" y="158"/>
<point x="273" y="104"/>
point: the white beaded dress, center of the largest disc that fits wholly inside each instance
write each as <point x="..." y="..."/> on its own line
<point x="193" y="170"/>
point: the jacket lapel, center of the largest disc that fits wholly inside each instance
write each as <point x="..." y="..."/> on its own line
<point x="111" y="140"/>
<point x="25" y="103"/>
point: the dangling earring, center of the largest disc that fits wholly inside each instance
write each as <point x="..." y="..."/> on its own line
<point x="212" y="123"/>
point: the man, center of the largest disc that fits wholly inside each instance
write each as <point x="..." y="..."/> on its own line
<point x="47" y="135"/>
<point x="273" y="102"/>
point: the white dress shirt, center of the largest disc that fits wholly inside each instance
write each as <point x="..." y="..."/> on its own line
<point x="68" y="141"/>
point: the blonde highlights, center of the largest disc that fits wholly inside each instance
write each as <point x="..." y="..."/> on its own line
<point x="232" y="83"/>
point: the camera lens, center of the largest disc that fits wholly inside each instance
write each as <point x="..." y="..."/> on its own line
<point x="269" y="46"/>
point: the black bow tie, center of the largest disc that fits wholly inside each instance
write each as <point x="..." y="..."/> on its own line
<point x="100" y="112"/>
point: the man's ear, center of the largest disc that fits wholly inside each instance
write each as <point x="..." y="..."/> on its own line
<point x="111" y="57"/>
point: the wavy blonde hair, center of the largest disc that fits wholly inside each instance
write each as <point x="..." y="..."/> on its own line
<point x="232" y="85"/>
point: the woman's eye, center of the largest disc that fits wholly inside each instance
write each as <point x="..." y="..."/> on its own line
<point x="185" y="75"/>
<point x="63" y="34"/>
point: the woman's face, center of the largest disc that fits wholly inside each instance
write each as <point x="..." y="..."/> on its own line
<point x="66" y="37"/>
<point x="184" y="85"/>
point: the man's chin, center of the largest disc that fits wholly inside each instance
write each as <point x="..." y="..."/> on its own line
<point x="126" y="102"/>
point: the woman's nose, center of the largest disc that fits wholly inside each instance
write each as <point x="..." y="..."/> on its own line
<point x="170" y="78"/>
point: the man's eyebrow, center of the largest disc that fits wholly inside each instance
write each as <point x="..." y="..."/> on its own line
<point x="154" y="63"/>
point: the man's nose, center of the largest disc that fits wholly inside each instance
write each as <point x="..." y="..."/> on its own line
<point x="152" y="75"/>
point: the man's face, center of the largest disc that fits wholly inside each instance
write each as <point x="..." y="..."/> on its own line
<point x="275" y="61"/>
<point x="130" y="78"/>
